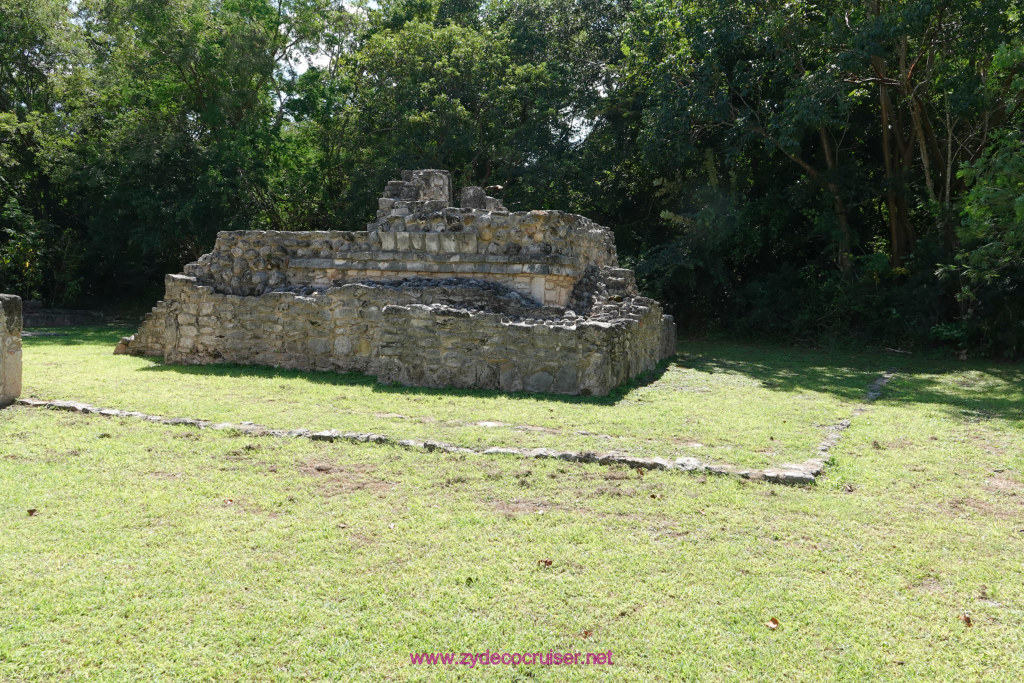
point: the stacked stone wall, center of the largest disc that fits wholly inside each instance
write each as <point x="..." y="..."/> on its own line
<point x="429" y="295"/>
<point x="408" y="335"/>
<point x="539" y="253"/>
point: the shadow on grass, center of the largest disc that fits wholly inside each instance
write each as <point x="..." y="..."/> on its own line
<point x="965" y="399"/>
<point x="786" y="369"/>
<point x="998" y="393"/>
<point x="358" y="379"/>
<point x="74" y="336"/>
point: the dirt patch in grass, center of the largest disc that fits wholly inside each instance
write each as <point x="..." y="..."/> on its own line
<point x="517" y="508"/>
<point x="492" y="472"/>
<point x="928" y="584"/>
<point x="361" y="538"/>
<point x="244" y="505"/>
<point x="617" y="492"/>
<point x="1004" y="485"/>
<point x="50" y="455"/>
<point x="244" y="453"/>
<point x="335" y="479"/>
<point x="187" y="435"/>
<point x="455" y="480"/>
<point x="986" y="508"/>
<point x="986" y="442"/>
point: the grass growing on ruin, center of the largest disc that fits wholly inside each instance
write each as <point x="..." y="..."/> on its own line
<point x="724" y="403"/>
<point x="168" y="553"/>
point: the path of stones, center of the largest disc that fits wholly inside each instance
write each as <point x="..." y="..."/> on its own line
<point x="806" y="472"/>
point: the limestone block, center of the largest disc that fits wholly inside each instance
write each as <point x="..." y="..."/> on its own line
<point x="538" y="382"/>
<point x="473" y="198"/>
<point x="10" y="348"/>
<point x="432" y="184"/>
<point x="432" y="243"/>
<point x="449" y="245"/>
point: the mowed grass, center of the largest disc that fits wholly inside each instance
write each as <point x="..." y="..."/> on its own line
<point x="169" y="553"/>
<point x="719" y="403"/>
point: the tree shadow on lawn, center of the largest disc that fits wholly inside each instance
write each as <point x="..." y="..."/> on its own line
<point x="74" y="336"/>
<point x="843" y="374"/>
<point x="358" y="379"/>
<point x="998" y="393"/>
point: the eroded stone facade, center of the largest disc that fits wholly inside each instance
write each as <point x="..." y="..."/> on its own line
<point x="429" y="294"/>
<point x="10" y="349"/>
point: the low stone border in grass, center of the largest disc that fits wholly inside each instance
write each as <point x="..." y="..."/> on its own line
<point x="803" y="473"/>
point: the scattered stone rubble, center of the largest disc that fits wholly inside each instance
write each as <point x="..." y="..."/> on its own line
<point x="429" y="294"/>
<point x="10" y="349"/>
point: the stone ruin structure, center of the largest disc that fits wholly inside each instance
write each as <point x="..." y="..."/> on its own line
<point x="10" y="349"/>
<point x="430" y="294"/>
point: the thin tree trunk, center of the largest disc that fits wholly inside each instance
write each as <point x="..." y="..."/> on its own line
<point x="917" y="113"/>
<point x="838" y="205"/>
<point x="896" y="162"/>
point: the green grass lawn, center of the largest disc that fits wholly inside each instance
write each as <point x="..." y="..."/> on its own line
<point x="713" y="402"/>
<point x="169" y="553"/>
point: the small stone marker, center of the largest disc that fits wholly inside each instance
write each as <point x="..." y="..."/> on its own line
<point x="10" y="349"/>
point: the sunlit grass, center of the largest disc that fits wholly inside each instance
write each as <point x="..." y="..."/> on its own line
<point x="729" y="404"/>
<point x="168" y="553"/>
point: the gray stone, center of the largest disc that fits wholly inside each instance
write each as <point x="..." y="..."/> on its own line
<point x="473" y="198"/>
<point x="480" y="299"/>
<point x="538" y="382"/>
<point x="10" y="348"/>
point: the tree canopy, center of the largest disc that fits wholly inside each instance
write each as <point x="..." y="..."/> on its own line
<point x="804" y="169"/>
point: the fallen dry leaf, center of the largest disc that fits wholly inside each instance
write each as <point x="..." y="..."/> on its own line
<point x="772" y="623"/>
<point x="966" y="618"/>
<point x="544" y="563"/>
<point x="586" y="634"/>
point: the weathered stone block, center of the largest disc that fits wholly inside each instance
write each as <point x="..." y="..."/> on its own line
<point x="473" y="198"/>
<point x="10" y="348"/>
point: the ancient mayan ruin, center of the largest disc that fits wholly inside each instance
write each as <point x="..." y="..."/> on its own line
<point x="430" y="294"/>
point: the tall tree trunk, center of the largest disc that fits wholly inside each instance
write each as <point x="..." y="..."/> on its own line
<point x="895" y="156"/>
<point x="838" y="205"/>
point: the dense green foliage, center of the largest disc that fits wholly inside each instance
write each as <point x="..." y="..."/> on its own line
<point x="800" y="169"/>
